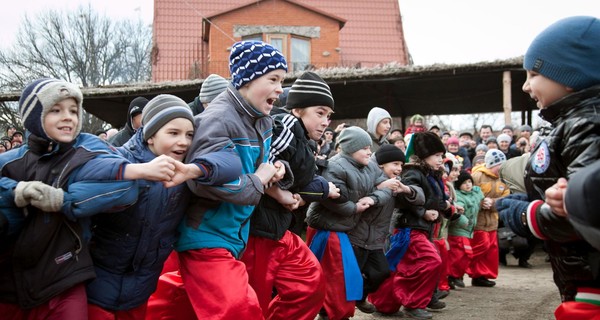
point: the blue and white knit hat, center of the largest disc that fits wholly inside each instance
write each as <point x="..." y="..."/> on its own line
<point x="250" y="60"/>
<point x="40" y="96"/>
<point x="162" y="109"/>
<point x="494" y="157"/>
<point x="567" y="52"/>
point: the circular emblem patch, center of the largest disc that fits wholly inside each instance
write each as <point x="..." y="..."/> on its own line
<point x="540" y="160"/>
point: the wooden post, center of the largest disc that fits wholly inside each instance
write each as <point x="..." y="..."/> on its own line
<point x="507" y="97"/>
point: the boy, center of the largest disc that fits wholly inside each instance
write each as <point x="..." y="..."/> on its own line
<point x="214" y="232"/>
<point x="134" y="121"/>
<point x="51" y="186"/>
<point x="130" y="247"/>
<point x="275" y="257"/>
<point x="379" y="123"/>
<point x="563" y="78"/>
<point x="372" y="230"/>
<point x="484" y="265"/>
<point x="329" y="221"/>
<point x="417" y="266"/>
<point x="460" y="231"/>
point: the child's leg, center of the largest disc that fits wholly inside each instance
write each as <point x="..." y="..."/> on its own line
<point x="217" y="285"/>
<point x="71" y="304"/>
<point x="98" y="313"/>
<point x="459" y="256"/>
<point x="485" y="255"/>
<point x="170" y="301"/>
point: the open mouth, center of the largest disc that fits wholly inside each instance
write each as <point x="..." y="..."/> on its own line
<point x="65" y="129"/>
<point x="271" y="101"/>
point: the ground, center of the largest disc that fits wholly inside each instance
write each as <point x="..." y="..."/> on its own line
<point x="519" y="294"/>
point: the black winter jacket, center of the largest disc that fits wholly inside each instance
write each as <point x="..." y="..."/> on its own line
<point x="573" y="143"/>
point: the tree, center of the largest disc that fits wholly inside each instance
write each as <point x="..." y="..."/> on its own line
<point x="81" y="47"/>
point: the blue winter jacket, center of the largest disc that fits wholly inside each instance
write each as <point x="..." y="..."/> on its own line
<point x="219" y="216"/>
<point x="130" y="247"/>
<point x="45" y="253"/>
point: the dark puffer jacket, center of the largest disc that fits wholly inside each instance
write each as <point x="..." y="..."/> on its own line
<point x="573" y="143"/>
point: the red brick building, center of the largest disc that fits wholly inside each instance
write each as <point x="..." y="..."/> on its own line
<point x="192" y="38"/>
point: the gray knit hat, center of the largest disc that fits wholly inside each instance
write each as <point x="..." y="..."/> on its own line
<point x="162" y="109"/>
<point x="212" y="86"/>
<point x="353" y="139"/>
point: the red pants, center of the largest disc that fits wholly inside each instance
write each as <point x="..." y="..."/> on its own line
<point x="443" y="251"/>
<point x="335" y="304"/>
<point x="415" y="278"/>
<point x="99" y="313"/>
<point x="170" y="301"/>
<point x="217" y="285"/>
<point x="292" y="269"/>
<point x="459" y="256"/>
<point x="485" y="255"/>
<point x="171" y="264"/>
<point x="71" y="304"/>
<point x="573" y="310"/>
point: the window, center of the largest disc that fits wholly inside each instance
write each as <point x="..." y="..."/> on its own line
<point x="300" y="53"/>
<point x="253" y="37"/>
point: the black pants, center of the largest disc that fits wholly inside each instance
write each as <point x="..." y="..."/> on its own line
<point x="373" y="266"/>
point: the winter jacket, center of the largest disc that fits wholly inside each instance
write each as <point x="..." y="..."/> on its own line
<point x="121" y="137"/>
<point x="411" y="216"/>
<point x="129" y="248"/>
<point x="49" y="253"/>
<point x="375" y="116"/>
<point x="492" y="187"/>
<point x="290" y="143"/>
<point x="219" y="216"/>
<point x="471" y="202"/>
<point x="355" y="181"/>
<point x="572" y="144"/>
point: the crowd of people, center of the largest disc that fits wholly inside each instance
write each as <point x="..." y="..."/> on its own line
<point x="246" y="204"/>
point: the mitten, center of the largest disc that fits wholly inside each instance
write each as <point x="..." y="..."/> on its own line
<point x="47" y="198"/>
<point x="512" y="211"/>
<point x="24" y="192"/>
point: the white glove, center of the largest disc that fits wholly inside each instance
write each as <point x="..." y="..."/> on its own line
<point x="24" y="191"/>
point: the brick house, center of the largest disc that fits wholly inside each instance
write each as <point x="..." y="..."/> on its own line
<point x="192" y="38"/>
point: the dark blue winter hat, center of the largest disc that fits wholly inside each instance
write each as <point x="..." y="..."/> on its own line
<point x="567" y="52"/>
<point x="40" y="96"/>
<point x="250" y="60"/>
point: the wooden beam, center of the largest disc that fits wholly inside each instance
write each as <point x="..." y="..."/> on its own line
<point x="507" y="97"/>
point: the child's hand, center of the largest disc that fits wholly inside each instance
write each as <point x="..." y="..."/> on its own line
<point x="555" y="196"/>
<point x="486" y="203"/>
<point x="364" y="204"/>
<point x="391" y="183"/>
<point x="334" y="192"/>
<point x="430" y="215"/>
<point x="402" y="188"/>
<point x="183" y="172"/>
<point x="265" y="172"/>
<point x="459" y="209"/>
<point x="279" y="173"/>
<point x="161" y="168"/>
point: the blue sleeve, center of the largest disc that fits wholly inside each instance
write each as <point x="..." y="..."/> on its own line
<point x="221" y="167"/>
<point x="316" y="190"/>
<point x="11" y="217"/>
<point x="86" y="198"/>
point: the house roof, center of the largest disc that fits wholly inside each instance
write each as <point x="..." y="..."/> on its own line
<point x="178" y="25"/>
<point x="438" y="89"/>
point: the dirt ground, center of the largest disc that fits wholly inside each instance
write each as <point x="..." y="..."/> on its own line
<point x="519" y="294"/>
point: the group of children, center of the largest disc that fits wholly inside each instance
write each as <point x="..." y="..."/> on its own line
<point x="87" y="227"/>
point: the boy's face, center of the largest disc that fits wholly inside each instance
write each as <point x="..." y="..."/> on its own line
<point x="328" y="135"/>
<point x="60" y="123"/>
<point x="383" y="127"/>
<point x="396" y="134"/>
<point x="392" y="169"/>
<point x="467" y="186"/>
<point x="363" y="156"/>
<point x="315" y="120"/>
<point x="543" y="90"/>
<point x="17" y="137"/>
<point x="435" y="161"/>
<point x="136" y="121"/>
<point x="264" y="91"/>
<point x="173" y="139"/>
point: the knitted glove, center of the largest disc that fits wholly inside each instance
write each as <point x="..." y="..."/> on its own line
<point x="24" y="191"/>
<point x="512" y="209"/>
<point x="45" y="197"/>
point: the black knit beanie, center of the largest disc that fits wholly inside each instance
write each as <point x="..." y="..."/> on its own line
<point x="389" y="153"/>
<point x="462" y="177"/>
<point x="309" y="90"/>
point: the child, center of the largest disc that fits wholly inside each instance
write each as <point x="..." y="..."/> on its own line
<point x="275" y="257"/>
<point x="211" y="87"/>
<point x="417" y="124"/>
<point x="329" y="221"/>
<point x="371" y="232"/>
<point x="379" y="123"/>
<point x="214" y="232"/>
<point x="563" y="77"/>
<point x="134" y="121"/>
<point x="484" y="265"/>
<point x="417" y="269"/>
<point x="51" y="186"/>
<point x="130" y="247"/>
<point x="460" y="231"/>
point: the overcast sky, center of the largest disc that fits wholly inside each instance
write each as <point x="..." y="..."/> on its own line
<point x="437" y="31"/>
